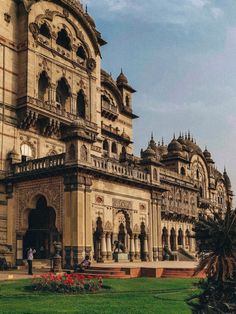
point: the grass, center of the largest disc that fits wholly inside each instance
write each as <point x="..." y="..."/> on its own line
<point x="133" y="296"/>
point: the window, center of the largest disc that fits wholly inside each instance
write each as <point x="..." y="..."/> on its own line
<point x="114" y="148"/>
<point x="63" y="94"/>
<point x="44" y="30"/>
<point x="155" y="177"/>
<point x="197" y="174"/>
<point x="26" y="151"/>
<point x="83" y="153"/>
<point x="81" y="53"/>
<point x="127" y="101"/>
<point x="81" y="105"/>
<point x="182" y="171"/>
<point x="106" y="146"/>
<point x="63" y="39"/>
<point x="43" y="85"/>
<point x="201" y="191"/>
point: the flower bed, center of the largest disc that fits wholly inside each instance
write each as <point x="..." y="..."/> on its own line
<point x="67" y="283"/>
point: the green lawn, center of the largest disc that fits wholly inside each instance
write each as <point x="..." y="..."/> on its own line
<point x="141" y="295"/>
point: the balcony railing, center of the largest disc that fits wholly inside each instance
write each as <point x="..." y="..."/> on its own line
<point x="39" y="164"/>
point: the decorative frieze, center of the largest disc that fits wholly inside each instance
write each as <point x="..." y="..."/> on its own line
<point x="122" y="204"/>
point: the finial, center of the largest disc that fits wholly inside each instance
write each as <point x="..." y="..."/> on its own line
<point x="174" y="136"/>
<point x="185" y="136"/>
<point x="159" y="144"/>
<point x="152" y="136"/>
<point x="86" y="8"/>
<point x="162" y="141"/>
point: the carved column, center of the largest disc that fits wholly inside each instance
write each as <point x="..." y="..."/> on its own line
<point x="109" y="250"/>
<point x="52" y="93"/>
<point x="75" y="255"/>
<point x="132" y="248"/>
<point x="103" y="247"/>
<point x="145" y="248"/>
<point x="137" y="247"/>
<point x="19" y="249"/>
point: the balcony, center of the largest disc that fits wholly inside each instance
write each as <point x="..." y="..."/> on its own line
<point x="36" y="165"/>
<point x="30" y="110"/>
<point x="115" y="133"/>
<point x="109" y="111"/>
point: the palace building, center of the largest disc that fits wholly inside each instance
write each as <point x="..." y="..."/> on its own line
<point x="67" y="168"/>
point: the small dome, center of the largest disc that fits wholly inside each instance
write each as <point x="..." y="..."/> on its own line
<point x="207" y="154"/>
<point x="174" y="146"/>
<point x="122" y="79"/>
<point x="149" y="152"/>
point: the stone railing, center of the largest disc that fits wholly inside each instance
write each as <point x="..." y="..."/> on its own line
<point x="107" y="106"/>
<point x="119" y="170"/>
<point x="39" y="164"/>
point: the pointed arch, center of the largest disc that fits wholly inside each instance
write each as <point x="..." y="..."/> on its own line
<point x="81" y="104"/>
<point x="63" y="94"/>
<point x="43" y="86"/>
<point x="44" y="30"/>
<point x="63" y="39"/>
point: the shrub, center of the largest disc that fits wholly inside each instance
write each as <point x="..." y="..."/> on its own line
<point x="66" y="283"/>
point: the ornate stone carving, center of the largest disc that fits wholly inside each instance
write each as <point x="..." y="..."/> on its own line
<point x="99" y="199"/>
<point x="28" y="120"/>
<point x="91" y="64"/>
<point x="108" y="226"/>
<point x="121" y="204"/>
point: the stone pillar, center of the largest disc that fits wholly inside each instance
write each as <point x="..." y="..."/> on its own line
<point x="75" y="255"/>
<point x="109" y="250"/>
<point x="132" y="248"/>
<point x="67" y="257"/>
<point x="19" y="249"/>
<point x="137" y="247"/>
<point x="158" y="226"/>
<point x="103" y="247"/>
<point x="145" y="248"/>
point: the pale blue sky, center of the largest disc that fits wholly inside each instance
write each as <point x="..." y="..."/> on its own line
<point x="180" y="55"/>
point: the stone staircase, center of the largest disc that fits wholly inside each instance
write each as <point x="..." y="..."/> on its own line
<point x="105" y="272"/>
<point x="38" y="264"/>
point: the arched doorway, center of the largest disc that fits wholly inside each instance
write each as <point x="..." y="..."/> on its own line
<point x="173" y="240"/>
<point x="97" y="240"/>
<point x="164" y="237"/>
<point x="42" y="231"/>
<point x="180" y="237"/>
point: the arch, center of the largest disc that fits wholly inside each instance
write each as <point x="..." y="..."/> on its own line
<point x="72" y="152"/>
<point x="106" y="145"/>
<point x="164" y="237"/>
<point x="27" y="151"/>
<point x="81" y="104"/>
<point x="180" y="237"/>
<point x="155" y="175"/>
<point x="114" y="148"/>
<point x="182" y="171"/>
<point x="63" y="94"/>
<point x="42" y="231"/>
<point x="44" y="30"/>
<point x="127" y="101"/>
<point x="43" y="86"/>
<point x="97" y="240"/>
<point x="81" y="53"/>
<point x="84" y="153"/>
<point x="173" y="240"/>
<point x="63" y="39"/>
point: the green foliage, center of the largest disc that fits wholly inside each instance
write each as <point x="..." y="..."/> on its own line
<point x="216" y="239"/>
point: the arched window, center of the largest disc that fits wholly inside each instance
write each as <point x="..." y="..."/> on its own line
<point x="106" y="146"/>
<point x="81" y="53"/>
<point x="63" y="39"/>
<point x="197" y="174"/>
<point x="26" y="151"/>
<point x="182" y="171"/>
<point x="71" y="152"/>
<point x="127" y="101"/>
<point x="44" y="30"/>
<point x="114" y="148"/>
<point x="155" y="177"/>
<point x="63" y="94"/>
<point x="81" y="105"/>
<point x="83" y="153"/>
<point x="43" y="85"/>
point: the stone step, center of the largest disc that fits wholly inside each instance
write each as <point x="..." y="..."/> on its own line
<point x="107" y="271"/>
<point x="108" y="276"/>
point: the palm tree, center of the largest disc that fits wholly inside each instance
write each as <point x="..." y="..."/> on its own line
<point x="215" y="235"/>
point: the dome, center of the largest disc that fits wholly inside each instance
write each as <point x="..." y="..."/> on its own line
<point x="149" y="153"/>
<point x="122" y="79"/>
<point x="174" y="146"/>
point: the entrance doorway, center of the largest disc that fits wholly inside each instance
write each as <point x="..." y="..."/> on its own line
<point x="42" y="231"/>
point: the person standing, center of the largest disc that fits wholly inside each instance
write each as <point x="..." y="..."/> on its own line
<point x="30" y="257"/>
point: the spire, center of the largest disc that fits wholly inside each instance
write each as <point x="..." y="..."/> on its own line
<point x="162" y="141"/>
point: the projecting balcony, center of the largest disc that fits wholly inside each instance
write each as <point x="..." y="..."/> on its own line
<point x="51" y="116"/>
<point x="109" y="111"/>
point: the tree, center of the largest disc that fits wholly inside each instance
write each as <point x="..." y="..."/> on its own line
<point x="215" y="235"/>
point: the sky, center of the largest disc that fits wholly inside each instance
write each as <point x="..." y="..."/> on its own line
<point x="180" y="56"/>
